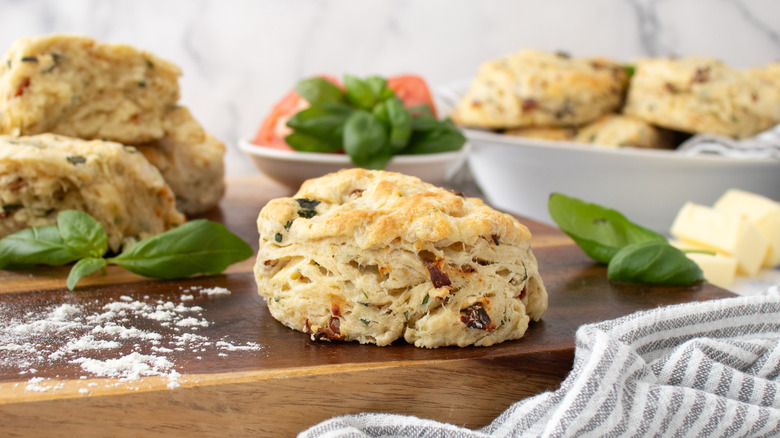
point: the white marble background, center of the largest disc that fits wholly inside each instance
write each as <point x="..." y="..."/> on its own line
<point x="240" y="56"/>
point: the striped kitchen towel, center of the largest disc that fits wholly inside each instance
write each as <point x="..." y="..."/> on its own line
<point x="763" y="145"/>
<point x="705" y="369"/>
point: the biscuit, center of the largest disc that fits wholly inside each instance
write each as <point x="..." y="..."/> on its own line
<point x="701" y="96"/>
<point x="624" y="131"/>
<point x="375" y="256"/>
<point x="534" y="88"/>
<point x="44" y="174"/>
<point x="191" y="161"/>
<point x="75" y="86"/>
<point x="550" y="134"/>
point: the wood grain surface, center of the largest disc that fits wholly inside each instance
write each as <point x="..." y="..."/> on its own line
<point x="289" y="382"/>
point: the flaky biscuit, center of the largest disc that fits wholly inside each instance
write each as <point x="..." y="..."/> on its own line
<point x="702" y="96"/>
<point x="190" y="160"/>
<point x="44" y="174"/>
<point x="373" y="256"/>
<point x="75" y="86"/>
<point x="535" y="88"/>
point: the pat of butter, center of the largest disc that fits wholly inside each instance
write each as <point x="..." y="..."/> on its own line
<point x="730" y="234"/>
<point x="762" y="212"/>
<point x="718" y="269"/>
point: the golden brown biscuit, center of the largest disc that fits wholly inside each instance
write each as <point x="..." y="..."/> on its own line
<point x="44" y="174"/>
<point x="73" y="85"/>
<point x="373" y="256"/>
<point x="702" y="96"/>
<point x="534" y="88"/>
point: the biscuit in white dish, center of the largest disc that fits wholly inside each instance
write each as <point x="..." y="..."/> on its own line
<point x="375" y="256"/>
<point x="535" y="88"/>
<point x="75" y="86"/>
<point x="624" y="131"/>
<point x="44" y="174"/>
<point x="702" y="96"/>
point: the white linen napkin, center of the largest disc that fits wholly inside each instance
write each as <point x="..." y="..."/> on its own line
<point x="700" y="369"/>
<point x="763" y="145"/>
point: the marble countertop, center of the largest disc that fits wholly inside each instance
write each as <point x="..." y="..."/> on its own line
<point x="240" y="56"/>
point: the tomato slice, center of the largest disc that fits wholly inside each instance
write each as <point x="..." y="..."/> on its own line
<point x="412" y="90"/>
<point x="274" y="128"/>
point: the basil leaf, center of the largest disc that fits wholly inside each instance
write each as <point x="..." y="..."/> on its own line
<point x="422" y="110"/>
<point x="439" y="140"/>
<point x="600" y="232"/>
<point x="653" y="262"/>
<point x="364" y="138"/>
<point x="380" y="112"/>
<point x="324" y="121"/>
<point x="425" y="123"/>
<point x="378" y="86"/>
<point x="82" y="233"/>
<point x="82" y="268"/>
<point x="400" y="124"/>
<point x="197" y="247"/>
<point x="308" y="143"/>
<point x="319" y="90"/>
<point x="359" y="92"/>
<point x="35" y="246"/>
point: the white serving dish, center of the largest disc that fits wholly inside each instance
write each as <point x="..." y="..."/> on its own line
<point x="291" y="168"/>
<point x="648" y="186"/>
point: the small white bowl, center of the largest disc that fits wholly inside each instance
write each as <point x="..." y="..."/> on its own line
<point x="291" y="168"/>
<point x="648" y="186"/>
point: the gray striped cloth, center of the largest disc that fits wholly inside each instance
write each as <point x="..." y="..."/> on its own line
<point x="765" y="145"/>
<point x="705" y="369"/>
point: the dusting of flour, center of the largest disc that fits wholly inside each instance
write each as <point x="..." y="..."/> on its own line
<point x="103" y="341"/>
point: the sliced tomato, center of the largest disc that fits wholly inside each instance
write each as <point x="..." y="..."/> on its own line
<point x="274" y="128"/>
<point x="412" y="90"/>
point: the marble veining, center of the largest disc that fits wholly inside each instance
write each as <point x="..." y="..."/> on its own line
<point x="240" y="56"/>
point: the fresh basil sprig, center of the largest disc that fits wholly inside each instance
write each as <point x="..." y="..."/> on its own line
<point x="196" y="247"/>
<point x="634" y="254"/>
<point x="368" y="122"/>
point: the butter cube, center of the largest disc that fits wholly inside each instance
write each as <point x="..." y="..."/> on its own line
<point x="730" y="234"/>
<point x="718" y="269"/>
<point x="762" y="212"/>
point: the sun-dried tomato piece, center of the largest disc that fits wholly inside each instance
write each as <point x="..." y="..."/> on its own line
<point x="331" y="332"/>
<point x="22" y="86"/>
<point x="438" y="277"/>
<point x="530" y="104"/>
<point x="475" y="316"/>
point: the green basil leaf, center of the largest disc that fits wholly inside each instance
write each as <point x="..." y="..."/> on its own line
<point x="359" y="92"/>
<point x="82" y="268"/>
<point x="197" y="247"/>
<point x="436" y="141"/>
<point x="422" y="110"/>
<point x="378" y="85"/>
<point x="425" y="123"/>
<point x="380" y="112"/>
<point x="35" y="246"/>
<point x="319" y="90"/>
<point x="324" y="121"/>
<point x="307" y="143"/>
<point x="400" y="124"/>
<point x="600" y="232"/>
<point x="364" y="138"/>
<point x="83" y="233"/>
<point x="653" y="262"/>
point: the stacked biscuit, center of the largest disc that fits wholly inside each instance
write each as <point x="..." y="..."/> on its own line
<point x="554" y="96"/>
<point x="96" y="106"/>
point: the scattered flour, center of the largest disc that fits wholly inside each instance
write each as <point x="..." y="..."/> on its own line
<point x="103" y="341"/>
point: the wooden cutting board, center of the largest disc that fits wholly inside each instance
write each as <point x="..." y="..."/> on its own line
<point x="240" y="372"/>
